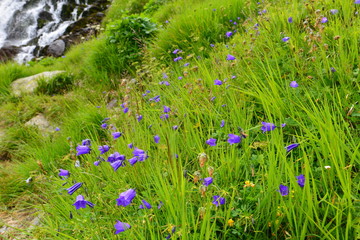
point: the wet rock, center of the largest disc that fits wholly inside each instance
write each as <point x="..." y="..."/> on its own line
<point x="57" y="48"/>
<point x="7" y="53"/>
<point x="43" y="19"/>
<point x="29" y="84"/>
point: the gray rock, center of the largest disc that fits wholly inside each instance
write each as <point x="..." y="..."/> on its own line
<point x="40" y="122"/>
<point x="56" y="48"/>
<point x="29" y="84"/>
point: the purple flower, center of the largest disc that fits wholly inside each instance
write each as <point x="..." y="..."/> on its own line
<point x="115" y="157"/>
<point x="294" y="84"/>
<point x="104" y="125"/>
<point x="218" y="200"/>
<point x="212" y="45"/>
<point x="81" y="203"/>
<point x="233" y="139"/>
<point x="82" y="150"/>
<point x="285" y="39"/>
<point x="140" y="154"/>
<point x="211" y="142"/>
<point x="115" y="165"/>
<point x="301" y="180"/>
<point x="121" y="227"/>
<point x="291" y="147"/>
<point x="139" y="118"/>
<point x="233" y="77"/>
<point x="97" y="163"/>
<point x="290" y="19"/>
<point x="332" y="69"/>
<point x="104" y="149"/>
<point x="176" y="51"/>
<point x="175" y="127"/>
<point x="230" y="57"/>
<point x="166" y="83"/>
<point x="116" y="135"/>
<point x="283" y="125"/>
<point x="165" y="76"/>
<point x="86" y="142"/>
<point x="222" y="124"/>
<point x="283" y="190"/>
<point x="324" y="20"/>
<point x="267" y="127"/>
<point x="334" y="11"/>
<point x="57" y="129"/>
<point x="208" y="181"/>
<point x="125" y="110"/>
<point x="186" y="64"/>
<point x="177" y="59"/>
<point x="357" y="2"/>
<point x="64" y="173"/>
<point x="125" y="198"/>
<point x="180" y="78"/>
<point x="145" y="205"/>
<point x="229" y="34"/>
<point x="217" y="82"/>
<point x="155" y="99"/>
<point x="130" y="145"/>
<point x="156" y="139"/>
<point x="212" y="99"/>
<point x="166" y="109"/>
<point x="133" y="160"/>
<point x="164" y="116"/>
<point x="73" y="188"/>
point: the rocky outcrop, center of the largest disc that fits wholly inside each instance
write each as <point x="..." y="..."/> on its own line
<point x="29" y="84"/>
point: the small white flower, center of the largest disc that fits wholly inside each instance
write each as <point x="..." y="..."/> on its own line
<point x="28" y="180"/>
<point x="77" y="163"/>
<point x="327" y="167"/>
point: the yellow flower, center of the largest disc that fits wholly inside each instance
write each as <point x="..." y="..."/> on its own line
<point x="230" y="222"/>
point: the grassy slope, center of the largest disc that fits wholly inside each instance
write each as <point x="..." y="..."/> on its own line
<point x="317" y="115"/>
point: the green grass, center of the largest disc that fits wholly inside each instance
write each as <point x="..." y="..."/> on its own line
<point x="322" y="115"/>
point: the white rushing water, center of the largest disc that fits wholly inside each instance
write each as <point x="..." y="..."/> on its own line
<point x="19" y="24"/>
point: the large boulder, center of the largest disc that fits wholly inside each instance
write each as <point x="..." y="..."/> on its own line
<point x="57" y="48"/>
<point x="29" y="84"/>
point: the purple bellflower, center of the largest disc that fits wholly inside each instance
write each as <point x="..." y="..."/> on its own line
<point x="145" y="205"/>
<point x="81" y="149"/>
<point x="156" y="139"/>
<point x="233" y="139"/>
<point x="81" y="203"/>
<point x="218" y="82"/>
<point x="291" y="147"/>
<point x="230" y="57"/>
<point x="121" y="227"/>
<point x="73" y="188"/>
<point x="301" y="180"/>
<point x="208" y="181"/>
<point x="283" y="190"/>
<point x="125" y="198"/>
<point x="116" y="134"/>
<point x="211" y="142"/>
<point x="104" y="149"/>
<point x="267" y="127"/>
<point x="64" y="173"/>
<point x="218" y="200"/>
<point x="294" y="84"/>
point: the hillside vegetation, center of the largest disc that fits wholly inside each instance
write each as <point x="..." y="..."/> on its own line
<point x="192" y="119"/>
